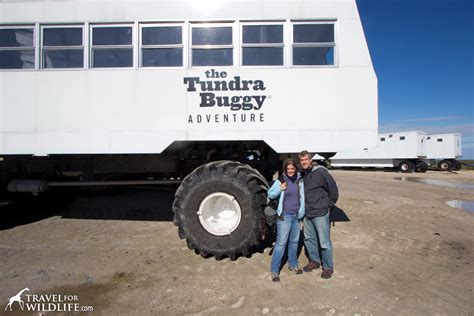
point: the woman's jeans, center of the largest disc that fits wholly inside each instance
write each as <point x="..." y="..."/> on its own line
<point x="316" y="235"/>
<point x="288" y="231"/>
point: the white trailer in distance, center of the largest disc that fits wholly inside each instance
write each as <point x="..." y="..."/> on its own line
<point x="443" y="150"/>
<point x="215" y="92"/>
<point x="402" y="150"/>
<point x="406" y="151"/>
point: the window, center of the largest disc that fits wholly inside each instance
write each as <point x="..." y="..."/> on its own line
<point x="382" y="139"/>
<point x="313" y="44"/>
<point x="262" y="45"/>
<point x="63" y="47"/>
<point x="402" y="137"/>
<point x="439" y="140"/>
<point x="211" y="45"/>
<point x="161" y="46"/>
<point x="390" y="136"/>
<point x="17" y="48"/>
<point x="428" y="138"/>
<point x="112" y="46"/>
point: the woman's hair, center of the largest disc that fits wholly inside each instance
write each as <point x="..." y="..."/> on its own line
<point x="288" y="162"/>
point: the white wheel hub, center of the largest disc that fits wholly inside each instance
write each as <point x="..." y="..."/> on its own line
<point x="219" y="213"/>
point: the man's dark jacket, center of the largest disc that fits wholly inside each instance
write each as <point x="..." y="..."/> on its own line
<point x="320" y="191"/>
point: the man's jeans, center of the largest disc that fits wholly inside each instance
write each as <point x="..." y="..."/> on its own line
<point x="288" y="231"/>
<point x="316" y="234"/>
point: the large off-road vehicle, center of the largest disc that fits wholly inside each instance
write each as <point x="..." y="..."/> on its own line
<point x="213" y="93"/>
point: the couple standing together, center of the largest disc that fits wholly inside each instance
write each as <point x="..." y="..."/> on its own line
<point x="306" y="196"/>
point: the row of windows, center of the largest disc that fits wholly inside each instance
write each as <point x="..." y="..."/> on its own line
<point x="382" y="139"/>
<point x="163" y="45"/>
<point x="439" y="140"/>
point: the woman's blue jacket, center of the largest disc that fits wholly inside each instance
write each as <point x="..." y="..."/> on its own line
<point x="275" y="192"/>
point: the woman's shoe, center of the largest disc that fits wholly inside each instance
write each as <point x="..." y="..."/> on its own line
<point x="296" y="270"/>
<point x="275" y="277"/>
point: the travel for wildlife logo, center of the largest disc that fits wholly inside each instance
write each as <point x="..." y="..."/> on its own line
<point x="46" y="303"/>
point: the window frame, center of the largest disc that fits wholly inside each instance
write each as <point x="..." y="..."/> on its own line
<point x="32" y="26"/>
<point x="314" y="44"/>
<point x="191" y="46"/>
<point x="283" y="45"/>
<point x="92" y="47"/>
<point x="44" y="48"/>
<point x="141" y="47"/>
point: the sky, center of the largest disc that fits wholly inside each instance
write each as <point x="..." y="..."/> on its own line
<point x="423" y="54"/>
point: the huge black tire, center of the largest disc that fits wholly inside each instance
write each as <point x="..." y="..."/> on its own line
<point x="406" y="166"/>
<point x="445" y="165"/>
<point x="210" y="191"/>
<point x="421" y="166"/>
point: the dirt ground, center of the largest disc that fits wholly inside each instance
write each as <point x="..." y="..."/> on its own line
<point x="403" y="251"/>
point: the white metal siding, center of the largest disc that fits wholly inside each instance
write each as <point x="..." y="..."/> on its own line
<point x="138" y="110"/>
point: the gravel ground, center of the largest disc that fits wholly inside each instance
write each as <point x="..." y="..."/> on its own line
<point x="403" y="251"/>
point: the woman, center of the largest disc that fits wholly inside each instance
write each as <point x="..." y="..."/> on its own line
<point x="289" y="189"/>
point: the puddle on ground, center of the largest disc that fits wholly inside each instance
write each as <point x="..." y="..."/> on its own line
<point x="442" y="183"/>
<point x="465" y="205"/>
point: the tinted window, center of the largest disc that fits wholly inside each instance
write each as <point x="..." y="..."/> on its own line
<point x="263" y="34"/>
<point x="113" y="58"/>
<point x="212" y="57"/>
<point x="313" y="33"/>
<point x="117" y="35"/>
<point x="212" y="36"/>
<point x="62" y="36"/>
<point x="162" y="57"/>
<point x="313" y="56"/>
<point x="19" y="37"/>
<point x="262" y="56"/>
<point x="72" y="58"/>
<point x="17" y="59"/>
<point x="167" y="35"/>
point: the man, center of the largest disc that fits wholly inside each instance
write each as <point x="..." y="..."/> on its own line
<point x="321" y="194"/>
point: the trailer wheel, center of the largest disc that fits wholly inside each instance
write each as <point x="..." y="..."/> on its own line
<point x="219" y="209"/>
<point x="445" y="165"/>
<point x="406" y="166"/>
<point x="456" y="165"/>
<point x="421" y="166"/>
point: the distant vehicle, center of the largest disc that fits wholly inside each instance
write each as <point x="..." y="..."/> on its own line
<point x="406" y="151"/>
<point x="216" y="93"/>
<point x="402" y="150"/>
<point x="443" y="150"/>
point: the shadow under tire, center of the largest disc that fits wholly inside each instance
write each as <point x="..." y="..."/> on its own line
<point x="243" y="193"/>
